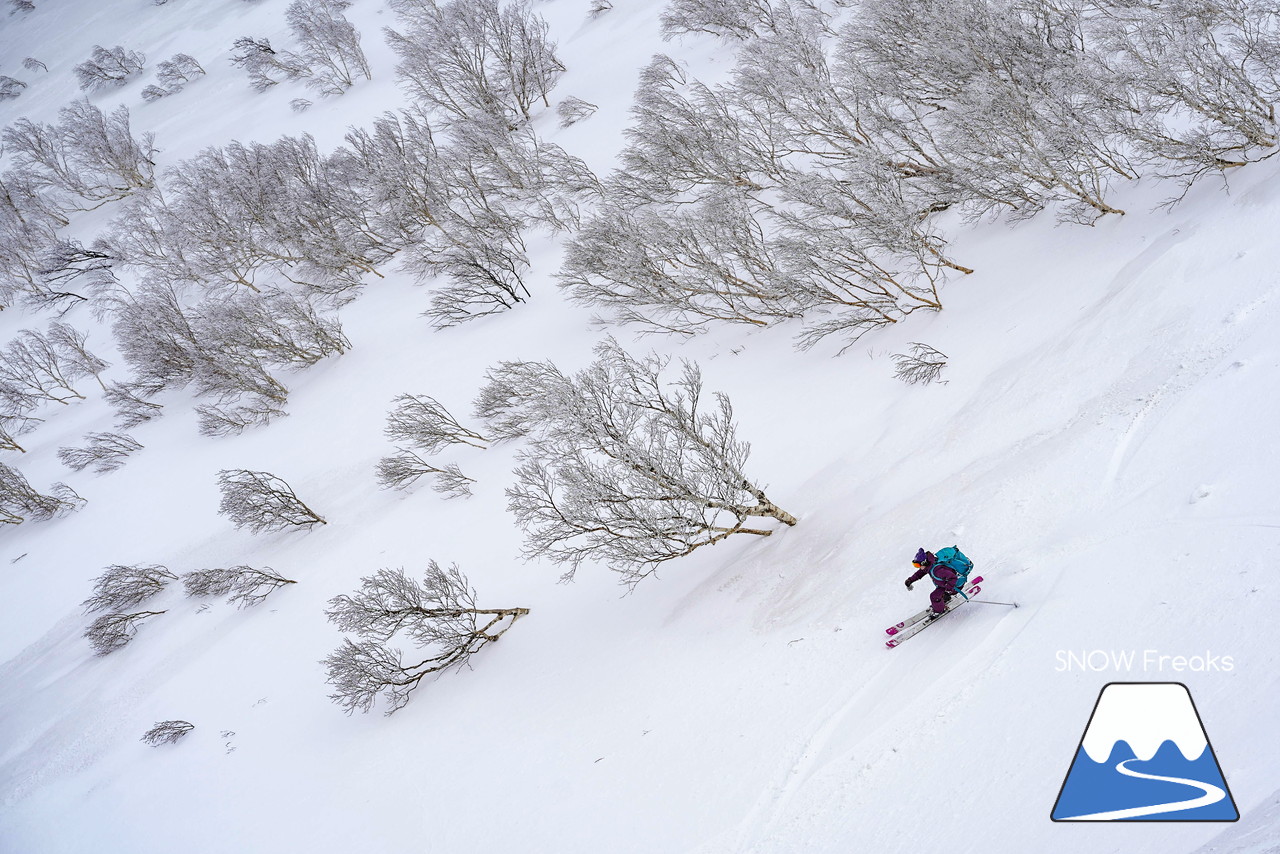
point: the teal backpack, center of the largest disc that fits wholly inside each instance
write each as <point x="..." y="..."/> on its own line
<point x="954" y="559"/>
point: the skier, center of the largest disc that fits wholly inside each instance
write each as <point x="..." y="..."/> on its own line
<point x="944" y="579"/>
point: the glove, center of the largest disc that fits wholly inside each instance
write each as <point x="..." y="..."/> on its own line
<point x="908" y="585"/>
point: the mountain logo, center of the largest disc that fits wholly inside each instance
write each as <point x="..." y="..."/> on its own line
<point x="1145" y="756"/>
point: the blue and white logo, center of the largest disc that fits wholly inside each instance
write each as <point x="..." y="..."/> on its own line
<point x="1145" y="757"/>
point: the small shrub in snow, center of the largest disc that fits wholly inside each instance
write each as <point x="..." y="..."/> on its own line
<point x="33" y="64"/>
<point x="403" y="468"/>
<point x="105" y="452"/>
<point x="598" y="8"/>
<point x="244" y="586"/>
<point x="299" y="105"/>
<point x="22" y="5"/>
<point x="19" y="502"/>
<point x="108" y="67"/>
<point x="922" y="365"/>
<point x="437" y="615"/>
<point x="177" y="71"/>
<point x="130" y="403"/>
<point x="573" y="110"/>
<point x="260" y="501"/>
<point x="110" y="632"/>
<point x="121" y="587"/>
<point x="166" y="732"/>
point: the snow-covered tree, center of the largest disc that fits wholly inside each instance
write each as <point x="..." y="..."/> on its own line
<point x="9" y="428"/>
<point x="177" y="71"/>
<point x="244" y="586"/>
<point x="87" y="153"/>
<point x="38" y="367"/>
<point x="738" y="19"/>
<point x="130" y="403"/>
<point x="70" y="272"/>
<point x="622" y="465"/>
<point x="155" y="336"/>
<point x="121" y="587"/>
<point x="10" y="87"/>
<point x="424" y="423"/>
<point x="1013" y="109"/>
<point x="279" y="328"/>
<point x="467" y="58"/>
<point x="19" y="501"/>
<point x="110" y="632"/>
<point x="403" y="468"/>
<point x="33" y="64"/>
<point x="107" y="67"/>
<point x="260" y="501"/>
<point x="437" y="615"/>
<point x="1196" y="82"/>
<point x="105" y="452"/>
<point x="329" y="44"/>
<point x="573" y="110"/>
<point x="264" y="64"/>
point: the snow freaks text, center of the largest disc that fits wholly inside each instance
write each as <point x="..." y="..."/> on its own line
<point x="1147" y="661"/>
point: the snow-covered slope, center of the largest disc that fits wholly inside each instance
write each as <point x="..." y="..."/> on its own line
<point x="1104" y="449"/>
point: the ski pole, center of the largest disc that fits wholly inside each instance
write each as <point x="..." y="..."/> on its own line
<point x="987" y="602"/>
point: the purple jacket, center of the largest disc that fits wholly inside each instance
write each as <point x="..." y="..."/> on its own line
<point x="944" y="577"/>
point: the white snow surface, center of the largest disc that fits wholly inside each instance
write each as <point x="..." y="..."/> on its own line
<point x="1146" y="716"/>
<point x="1105" y="450"/>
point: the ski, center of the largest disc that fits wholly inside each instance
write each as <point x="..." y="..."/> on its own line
<point x="914" y="629"/>
<point x="911" y="621"/>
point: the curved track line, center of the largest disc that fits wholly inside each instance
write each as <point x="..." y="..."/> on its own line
<point x="1212" y="794"/>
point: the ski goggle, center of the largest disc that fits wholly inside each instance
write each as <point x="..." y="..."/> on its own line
<point x="916" y="563"/>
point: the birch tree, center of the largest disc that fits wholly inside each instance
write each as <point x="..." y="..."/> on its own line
<point x="623" y="466"/>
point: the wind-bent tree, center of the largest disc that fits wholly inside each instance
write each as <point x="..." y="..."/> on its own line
<point x="167" y="732"/>
<point x="424" y="423"/>
<point x="622" y="465"/>
<point x="264" y="64"/>
<point x="130" y="403"/>
<point x="470" y="58"/>
<point x="105" y="452"/>
<point x="244" y="586"/>
<point x="106" y="68"/>
<point x="122" y="587"/>
<point x="329" y="44"/>
<point x="87" y="153"/>
<point x="19" y="501"/>
<point x="437" y="615"/>
<point x="260" y="501"/>
<point x="403" y="468"/>
<point x="10" y="87"/>
<point x="110" y="632"/>
<point x="739" y="19"/>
